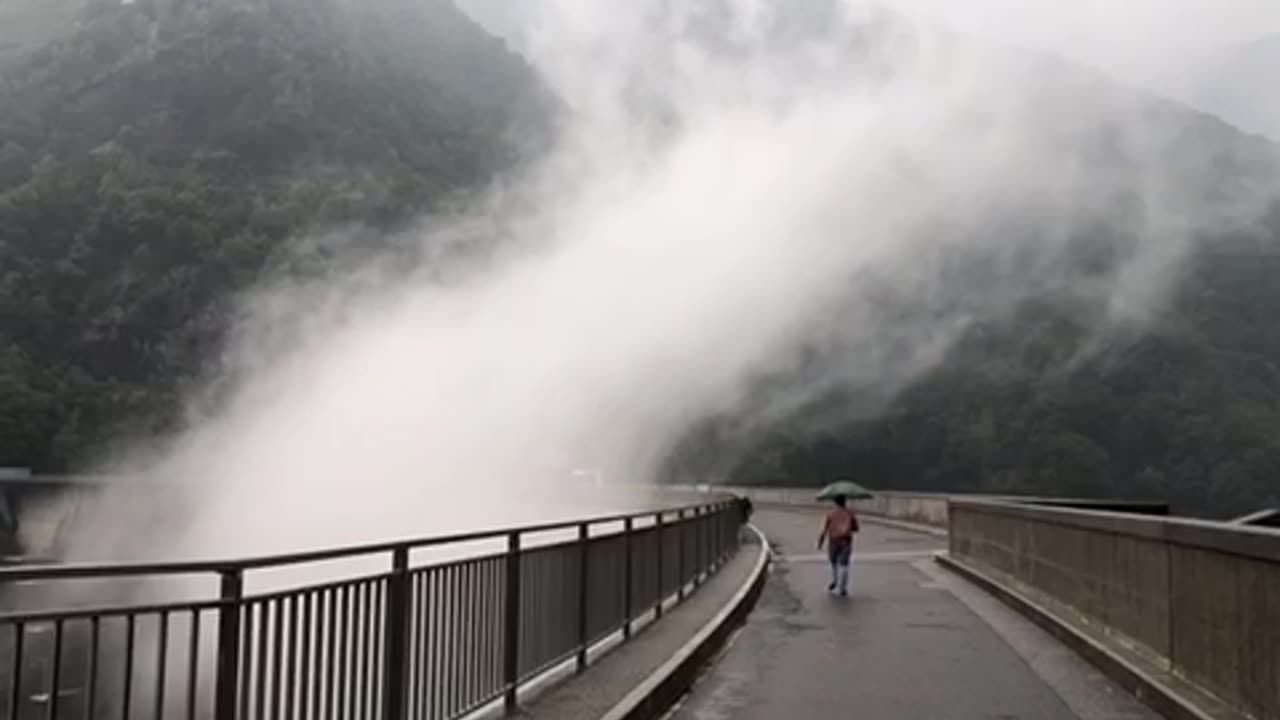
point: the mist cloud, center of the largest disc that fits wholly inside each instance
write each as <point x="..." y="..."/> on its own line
<point x="829" y="196"/>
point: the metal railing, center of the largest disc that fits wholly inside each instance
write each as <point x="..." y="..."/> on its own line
<point x="439" y="628"/>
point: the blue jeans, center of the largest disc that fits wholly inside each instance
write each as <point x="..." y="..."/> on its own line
<point x="838" y="553"/>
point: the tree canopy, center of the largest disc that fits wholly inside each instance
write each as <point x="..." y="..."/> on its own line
<point x="157" y="156"/>
<point x="1186" y="408"/>
<point x="157" y="159"/>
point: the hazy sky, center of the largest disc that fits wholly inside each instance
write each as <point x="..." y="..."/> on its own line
<point x="1146" y="42"/>
<point x="1129" y="37"/>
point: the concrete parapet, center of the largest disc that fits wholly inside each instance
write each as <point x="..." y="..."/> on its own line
<point x="1201" y="599"/>
<point x="1264" y="518"/>
<point x="926" y="508"/>
<point x="921" y="508"/>
<point x="654" y="696"/>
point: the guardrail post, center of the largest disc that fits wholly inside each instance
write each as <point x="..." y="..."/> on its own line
<point x="395" y="689"/>
<point x="662" y="550"/>
<point x="226" y="685"/>
<point x="511" y="648"/>
<point x="728" y="528"/>
<point x="680" y="533"/>
<point x="699" y="557"/>
<point x="716" y="532"/>
<point x="584" y="547"/>
<point x="744" y="517"/>
<point x="708" y="541"/>
<point x="713" y="522"/>
<point x="713" y="517"/>
<point x="717" y="536"/>
<point x="628" y="526"/>
<point x="733" y="523"/>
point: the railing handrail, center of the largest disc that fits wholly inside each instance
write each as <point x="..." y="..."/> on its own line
<point x="442" y="638"/>
<point x="83" y="571"/>
<point x="1262" y="543"/>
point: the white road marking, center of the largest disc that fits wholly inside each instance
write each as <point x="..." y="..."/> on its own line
<point x="867" y="556"/>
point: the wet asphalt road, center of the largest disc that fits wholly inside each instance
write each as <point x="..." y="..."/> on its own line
<point x="912" y="642"/>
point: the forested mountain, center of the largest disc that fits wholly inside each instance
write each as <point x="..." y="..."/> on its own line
<point x="157" y="158"/>
<point x="1187" y="408"/>
<point x="1043" y="392"/>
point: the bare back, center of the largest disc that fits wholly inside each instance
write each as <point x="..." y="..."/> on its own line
<point x="840" y="524"/>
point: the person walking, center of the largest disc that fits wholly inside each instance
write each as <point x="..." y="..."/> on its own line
<point x="838" y="529"/>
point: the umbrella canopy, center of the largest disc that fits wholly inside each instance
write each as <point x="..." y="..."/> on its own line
<point x="850" y="490"/>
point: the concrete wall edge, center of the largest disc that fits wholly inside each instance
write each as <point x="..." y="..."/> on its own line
<point x="658" y="692"/>
<point x="1144" y="683"/>
<point x="1261" y="543"/>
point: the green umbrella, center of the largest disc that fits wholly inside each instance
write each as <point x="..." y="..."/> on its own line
<point x="850" y="490"/>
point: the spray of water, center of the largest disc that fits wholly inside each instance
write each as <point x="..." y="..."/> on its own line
<point x="740" y="187"/>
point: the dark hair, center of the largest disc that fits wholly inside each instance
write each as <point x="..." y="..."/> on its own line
<point x="839" y="500"/>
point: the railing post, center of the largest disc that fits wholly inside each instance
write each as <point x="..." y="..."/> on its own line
<point x="680" y="533"/>
<point x="226" y="685"/>
<point x="709" y="540"/>
<point x="584" y="547"/>
<point x="662" y="550"/>
<point x="717" y="522"/>
<point x="722" y="531"/>
<point x="511" y="648"/>
<point x="699" y="562"/>
<point x="732" y="523"/>
<point x="628" y="526"/>
<point x="739" y="522"/>
<point x="395" y="689"/>
<point x="713" y="542"/>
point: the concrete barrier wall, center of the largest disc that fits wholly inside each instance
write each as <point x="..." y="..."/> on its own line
<point x="1202" y="598"/>
<point x="923" y="508"/>
<point x="771" y="495"/>
<point x="928" y="508"/>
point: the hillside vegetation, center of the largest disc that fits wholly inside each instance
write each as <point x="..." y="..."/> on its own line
<point x="158" y="159"/>
<point x="1186" y="408"/>
<point x="1049" y="390"/>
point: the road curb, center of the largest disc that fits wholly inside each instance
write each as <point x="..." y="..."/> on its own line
<point x="658" y="692"/>
<point x="1144" y="683"/>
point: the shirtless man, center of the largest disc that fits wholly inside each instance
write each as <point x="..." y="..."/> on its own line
<point x="837" y="534"/>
